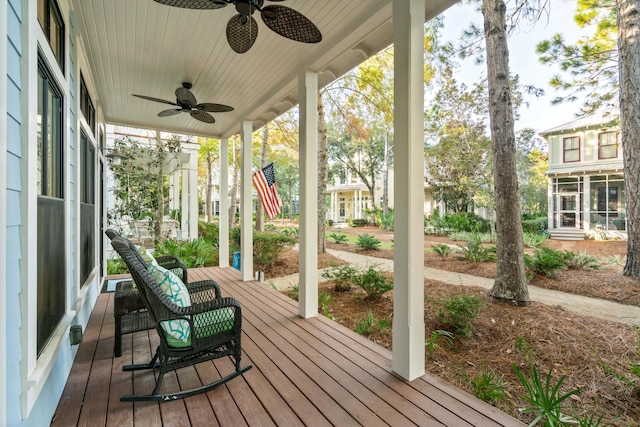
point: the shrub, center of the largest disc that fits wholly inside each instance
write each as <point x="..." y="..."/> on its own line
<point x="580" y="261"/>
<point x="386" y="221"/>
<point x="458" y="314"/>
<point x="442" y="250"/>
<point x="545" y="261"/>
<point x="341" y="276"/>
<point x="545" y="399"/>
<point x="533" y="240"/>
<point x="116" y="266"/>
<point x="488" y="386"/>
<point x="369" y="325"/>
<point x="359" y="222"/>
<point x="267" y="247"/>
<point x="534" y="225"/>
<point x="324" y="299"/>
<point x="367" y="242"/>
<point x="338" y="238"/>
<point x="465" y="236"/>
<point x="373" y="282"/>
<point x="199" y="252"/>
<point x="475" y="252"/>
<point x="294" y="292"/>
<point x="208" y="230"/>
<point x="291" y="232"/>
<point x="432" y="343"/>
<point x="465" y="221"/>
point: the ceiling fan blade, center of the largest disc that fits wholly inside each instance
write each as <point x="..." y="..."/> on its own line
<point x="194" y="4"/>
<point x="151" y="98"/>
<point x="171" y="112"/>
<point x="291" y="24"/>
<point x="202" y="116"/>
<point x="185" y="97"/>
<point x="241" y="33"/>
<point x="214" y="108"/>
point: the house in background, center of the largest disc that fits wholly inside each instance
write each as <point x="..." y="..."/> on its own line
<point x="350" y="197"/>
<point x="586" y="179"/>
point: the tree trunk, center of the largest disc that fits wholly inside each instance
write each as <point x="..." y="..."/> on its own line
<point x="234" y="186"/>
<point x="263" y="163"/>
<point x="629" y="54"/>
<point x="160" y="209"/>
<point x="510" y="284"/>
<point x="209" y="188"/>
<point x="385" y="176"/>
<point x="323" y="176"/>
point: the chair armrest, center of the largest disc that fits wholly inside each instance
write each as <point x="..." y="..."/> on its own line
<point x="171" y="262"/>
<point x="200" y="291"/>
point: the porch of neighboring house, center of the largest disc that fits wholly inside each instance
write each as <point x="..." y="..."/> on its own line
<point x="305" y="372"/>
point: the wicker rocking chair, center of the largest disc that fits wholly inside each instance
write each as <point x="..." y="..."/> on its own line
<point x="213" y="326"/>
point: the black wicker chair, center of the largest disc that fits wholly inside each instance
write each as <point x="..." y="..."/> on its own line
<point x="170" y="262"/>
<point x="214" y="322"/>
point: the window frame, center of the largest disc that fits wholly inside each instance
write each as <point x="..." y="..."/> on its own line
<point x="86" y="106"/>
<point x="600" y="145"/>
<point x="565" y="150"/>
<point x="49" y="83"/>
<point x="52" y="10"/>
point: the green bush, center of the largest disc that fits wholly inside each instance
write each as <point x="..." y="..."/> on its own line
<point x="386" y="221"/>
<point x="324" y="299"/>
<point x="534" y="224"/>
<point x="267" y="247"/>
<point x="545" y="399"/>
<point x="116" y="266"/>
<point x="367" y="242"/>
<point x="533" y="240"/>
<point x="369" y="325"/>
<point x="466" y="236"/>
<point x="545" y="261"/>
<point x="193" y="253"/>
<point x="359" y="222"/>
<point x="488" y="386"/>
<point x="457" y="314"/>
<point x="466" y="221"/>
<point x="338" y="238"/>
<point x="341" y="276"/>
<point x="442" y="250"/>
<point x="475" y="252"/>
<point x="432" y="343"/>
<point x="580" y="261"/>
<point x="291" y="232"/>
<point x="209" y="230"/>
<point x="373" y="282"/>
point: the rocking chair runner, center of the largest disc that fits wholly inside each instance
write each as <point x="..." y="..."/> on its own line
<point x="213" y="331"/>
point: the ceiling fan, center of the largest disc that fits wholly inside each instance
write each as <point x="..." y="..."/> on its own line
<point x="186" y="103"/>
<point x="242" y="29"/>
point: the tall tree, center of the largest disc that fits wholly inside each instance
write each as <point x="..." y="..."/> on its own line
<point x="323" y="176"/>
<point x="510" y="284"/>
<point x="629" y="51"/>
<point x="591" y="63"/>
<point x="207" y="156"/>
<point x="263" y="163"/>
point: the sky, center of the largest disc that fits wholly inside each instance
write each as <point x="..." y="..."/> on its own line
<point x="540" y="114"/>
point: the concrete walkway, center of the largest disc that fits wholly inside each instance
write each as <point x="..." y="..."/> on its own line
<point x="582" y="305"/>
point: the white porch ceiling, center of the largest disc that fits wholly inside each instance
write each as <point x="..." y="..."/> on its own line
<point x="143" y="47"/>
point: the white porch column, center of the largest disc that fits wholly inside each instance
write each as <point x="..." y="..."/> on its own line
<point x="175" y="190"/>
<point x="223" y="218"/>
<point x="550" y="210"/>
<point x="246" y="203"/>
<point x="586" y="203"/>
<point x="308" y="122"/>
<point x="193" y="196"/>
<point x="184" y="202"/>
<point x="408" y="306"/>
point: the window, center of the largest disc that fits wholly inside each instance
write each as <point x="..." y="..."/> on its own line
<point x="571" y="149"/>
<point x="51" y="22"/>
<point x="49" y="133"/>
<point x="87" y="170"/>
<point x="608" y="145"/>
<point x="86" y="106"/>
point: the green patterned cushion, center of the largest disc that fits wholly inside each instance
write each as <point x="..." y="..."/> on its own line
<point x="177" y="292"/>
<point x="207" y="324"/>
<point x="147" y="256"/>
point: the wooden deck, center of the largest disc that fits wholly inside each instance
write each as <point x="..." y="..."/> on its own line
<point x="305" y="372"/>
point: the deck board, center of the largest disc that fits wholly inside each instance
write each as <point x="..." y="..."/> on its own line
<point x="305" y="372"/>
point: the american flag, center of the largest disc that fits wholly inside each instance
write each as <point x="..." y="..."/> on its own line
<point x="265" y="182"/>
